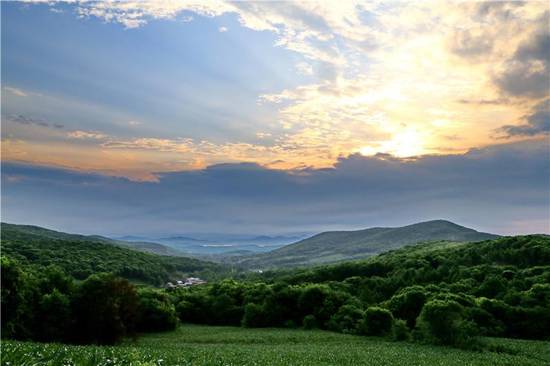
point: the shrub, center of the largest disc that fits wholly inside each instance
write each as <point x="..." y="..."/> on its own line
<point x="485" y="321"/>
<point x="346" y="319"/>
<point x="157" y="312"/>
<point x="254" y="316"/>
<point x="408" y="304"/>
<point x="54" y="317"/>
<point x="310" y="322"/>
<point x="492" y="287"/>
<point x="194" y="308"/>
<point x="106" y="309"/>
<point x="377" y="321"/>
<point x="400" y="330"/>
<point x="442" y="322"/>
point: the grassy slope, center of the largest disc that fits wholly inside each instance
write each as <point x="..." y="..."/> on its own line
<point x="202" y="345"/>
<point x="345" y="245"/>
<point x="81" y="256"/>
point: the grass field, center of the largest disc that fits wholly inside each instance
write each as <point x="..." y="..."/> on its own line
<point x="204" y="345"/>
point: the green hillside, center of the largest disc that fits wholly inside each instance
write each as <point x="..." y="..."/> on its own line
<point x="147" y="247"/>
<point x="81" y="256"/>
<point x="440" y="293"/>
<point x="336" y="246"/>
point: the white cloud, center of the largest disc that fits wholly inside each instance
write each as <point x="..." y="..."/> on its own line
<point x="87" y="135"/>
<point x="379" y="71"/>
<point x="263" y="135"/>
<point x="222" y="29"/>
<point x="304" y="68"/>
<point x="16" y="91"/>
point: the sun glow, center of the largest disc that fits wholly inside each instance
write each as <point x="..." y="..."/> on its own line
<point x="403" y="144"/>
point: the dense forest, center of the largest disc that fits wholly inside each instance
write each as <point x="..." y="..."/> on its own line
<point x="443" y="292"/>
<point x="81" y="256"/>
<point x="440" y="292"/>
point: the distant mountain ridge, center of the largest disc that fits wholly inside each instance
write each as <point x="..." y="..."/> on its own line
<point x="216" y="244"/>
<point x="335" y="246"/>
<point x="81" y="256"/>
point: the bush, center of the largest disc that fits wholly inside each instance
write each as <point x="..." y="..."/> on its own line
<point x="400" y="331"/>
<point x="310" y="322"/>
<point x="377" y="321"/>
<point x="106" y="309"/>
<point x="194" y="308"/>
<point x="408" y="304"/>
<point x="485" y="321"/>
<point x="254" y="316"/>
<point x="54" y="317"/>
<point x="346" y="320"/>
<point x="156" y="311"/>
<point x="442" y="322"/>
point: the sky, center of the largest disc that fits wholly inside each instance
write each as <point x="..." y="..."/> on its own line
<point x="158" y="117"/>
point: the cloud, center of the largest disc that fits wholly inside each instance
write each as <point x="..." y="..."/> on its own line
<point x="15" y="91"/>
<point x="466" y="43"/>
<point x="527" y="72"/>
<point x="476" y="188"/>
<point x="375" y="72"/>
<point x="94" y="135"/>
<point x="497" y="101"/>
<point x="149" y="143"/>
<point x="25" y="120"/>
<point x="28" y="120"/>
<point x="222" y="29"/>
<point x="304" y="68"/>
<point x="536" y="123"/>
<point x="263" y="135"/>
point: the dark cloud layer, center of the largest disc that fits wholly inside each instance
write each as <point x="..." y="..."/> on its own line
<point x="501" y="188"/>
<point x="27" y="120"/>
<point x="527" y="73"/>
<point x="536" y="123"/>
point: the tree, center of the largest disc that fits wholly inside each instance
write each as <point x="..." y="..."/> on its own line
<point x="16" y="299"/>
<point x="408" y="304"/>
<point x="254" y="316"/>
<point x="442" y="322"/>
<point x="346" y="320"/>
<point x="54" y="317"/>
<point x="310" y="322"/>
<point x="106" y="309"/>
<point x="156" y="311"/>
<point x="377" y="321"/>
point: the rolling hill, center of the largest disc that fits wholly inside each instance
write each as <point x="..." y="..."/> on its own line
<point x="336" y="246"/>
<point x="81" y="256"/>
<point x="144" y="246"/>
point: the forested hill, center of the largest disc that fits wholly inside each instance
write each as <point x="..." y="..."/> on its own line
<point x="81" y="256"/>
<point x="336" y="246"/>
<point x="142" y="246"/>
<point x="441" y="292"/>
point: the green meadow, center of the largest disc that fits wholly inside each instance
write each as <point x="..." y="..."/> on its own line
<point x="213" y="345"/>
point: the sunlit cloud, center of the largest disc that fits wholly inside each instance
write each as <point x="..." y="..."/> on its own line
<point x="86" y="135"/>
<point x="403" y="78"/>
